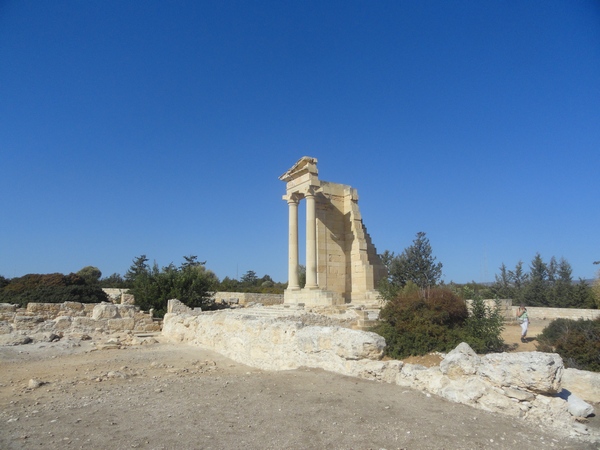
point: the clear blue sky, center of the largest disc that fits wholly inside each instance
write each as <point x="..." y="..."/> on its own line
<point x="161" y="128"/>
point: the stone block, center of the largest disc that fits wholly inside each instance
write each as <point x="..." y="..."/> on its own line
<point x="7" y="308"/>
<point x="5" y="327"/>
<point x="85" y="324"/>
<point x="105" y="311"/>
<point x="582" y="383"/>
<point x="125" y="324"/>
<point x="62" y="323"/>
<point x="460" y="361"/>
<point x="533" y="371"/>
<point x="127" y="310"/>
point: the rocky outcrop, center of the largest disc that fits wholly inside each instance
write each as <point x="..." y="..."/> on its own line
<point x="273" y="344"/>
<point x="518" y="384"/>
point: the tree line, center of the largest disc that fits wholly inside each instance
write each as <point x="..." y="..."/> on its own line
<point x="548" y="284"/>
<point x="152" y="286"/>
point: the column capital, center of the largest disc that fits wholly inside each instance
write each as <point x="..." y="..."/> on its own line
<point x="292" y="198"/>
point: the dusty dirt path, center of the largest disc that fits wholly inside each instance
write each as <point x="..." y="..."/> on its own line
<point x="165" y="396"/>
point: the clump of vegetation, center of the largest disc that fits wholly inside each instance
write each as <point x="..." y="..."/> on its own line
<point x="191" y="283"/>
<point x="413" y="324"/>
<point x="420" y="317"/>
<point x="51" y="288"/>
<point x="576" y="341"/>
<point x="547" y="284"/>
<point x="484" y="326"/>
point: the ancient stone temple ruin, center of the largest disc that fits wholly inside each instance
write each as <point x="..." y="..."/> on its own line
<point x="342" y="265"/>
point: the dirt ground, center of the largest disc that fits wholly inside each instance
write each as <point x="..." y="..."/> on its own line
<point x="164" y="396"/>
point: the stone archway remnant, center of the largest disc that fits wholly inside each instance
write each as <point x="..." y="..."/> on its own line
<point x="342" y="265"/>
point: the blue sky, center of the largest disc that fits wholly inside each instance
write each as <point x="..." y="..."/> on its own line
<point x="161" y="128"/>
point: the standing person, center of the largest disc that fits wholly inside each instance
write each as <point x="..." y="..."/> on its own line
<point x="524" y="319"/>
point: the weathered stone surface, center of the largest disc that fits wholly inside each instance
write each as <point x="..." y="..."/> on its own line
<point x="34" y="384"/>
<point x="14" y="339"/>
<point x="43" y="308"/>
<point x="72" y="306"/>
<point x="62" y="323"/>
<point x="534" y="371"/>
<point x="460" y="361"/>
<point x="5" y="327"/>
<point x="127" y="323"/>
<point x="466" y="391"/>
<point x="386" y="371"/>
<point x="586" y="385"/>
<point x="576" y="406"/>
<point x="518" y="394"/>
<point x="84" y="324"/>
<point x="274" y="345"/>
<point x="105" y="311"/>
<point x="127" y="310"/>
<point x="7" y="307"/>
<point x="552" y="411"/>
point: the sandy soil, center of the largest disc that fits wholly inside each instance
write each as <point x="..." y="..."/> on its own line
<point x="163" y="396"/>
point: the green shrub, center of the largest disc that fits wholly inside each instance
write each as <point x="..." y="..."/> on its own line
<point x="50" y="288"/>
<point x="484" y="327"/>
<point x="415" y="325"/>
<point x="576" y="341"/>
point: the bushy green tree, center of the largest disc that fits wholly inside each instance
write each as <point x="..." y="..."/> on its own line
<point x="114" y="281"/>
<point x="484" y="326"/>
<point x="50" y="288"/>
<point x="547" y="284"/>
<point x="90" y="274"/>
<point x="249" y="278"/>
<point x="576" y="341"/>
<point x="415" y="324"/>
<point x="535" y="292"/>
<point x="190" y="283"/>
<point x="416" y="264"/>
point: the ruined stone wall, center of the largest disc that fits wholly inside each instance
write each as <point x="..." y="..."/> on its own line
<point x="521" y="384"/>
<point x="243" y="298"/>
<point x="347" y="260"/>
<point x="74" y="317"/>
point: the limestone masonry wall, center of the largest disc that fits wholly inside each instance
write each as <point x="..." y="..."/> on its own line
<point x="73" y="317"/>
<point x="558" y="313"/>
<point x="510" y="312"/>
<point x="243" y="298"/>
<point x="525" y="384"/>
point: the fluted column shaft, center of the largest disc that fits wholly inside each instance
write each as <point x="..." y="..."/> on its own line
<point x="293" y="243"/>
<point x="311" y="241"/>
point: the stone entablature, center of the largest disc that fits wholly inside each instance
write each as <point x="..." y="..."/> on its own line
<point x="342" y="265"/>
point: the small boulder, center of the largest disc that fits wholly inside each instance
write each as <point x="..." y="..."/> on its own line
<point x="533" y="371"/>
<point x="34" y="384"/>
<point x="460" y="361"/>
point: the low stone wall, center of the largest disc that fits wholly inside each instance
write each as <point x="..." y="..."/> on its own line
<point x="244" y="298"/>
<point x="517" y="384"/>
<point x="510" y="312"/>
<point x="558" y="313"/>
<point x="73" y="317"/>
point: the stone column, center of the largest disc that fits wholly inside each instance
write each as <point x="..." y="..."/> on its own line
<point x="311" y="241"/>
<point x="292" y="202"/>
